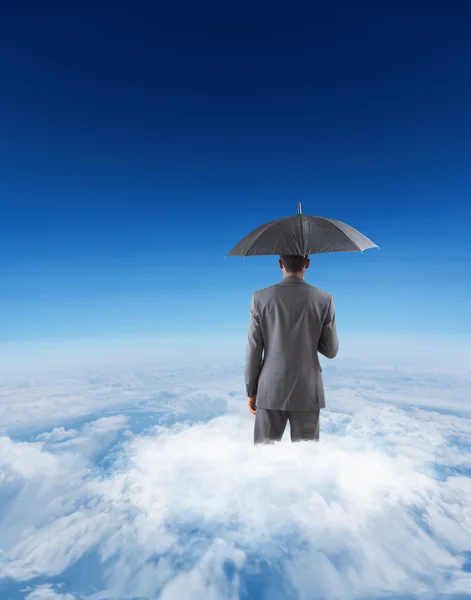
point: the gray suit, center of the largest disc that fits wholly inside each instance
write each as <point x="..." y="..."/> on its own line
<point x="290" y="322"/>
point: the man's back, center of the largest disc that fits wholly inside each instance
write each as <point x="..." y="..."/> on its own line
<point x="291" y="322"/>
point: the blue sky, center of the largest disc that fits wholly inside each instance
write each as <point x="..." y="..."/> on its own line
<point x="136" y="150"/>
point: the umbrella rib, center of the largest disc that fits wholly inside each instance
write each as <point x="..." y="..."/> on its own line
<point x="253" y="241"/>
<point x="322" y="232"/>
<point x="260" y="233"/>
<point x="282" y="231"/>
<point x="342" y="232"/>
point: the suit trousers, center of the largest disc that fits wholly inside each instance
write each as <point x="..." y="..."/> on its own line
<point x="270" y="425"/>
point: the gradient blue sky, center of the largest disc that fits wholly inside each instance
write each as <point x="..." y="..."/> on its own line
<point x="137" y="149"/>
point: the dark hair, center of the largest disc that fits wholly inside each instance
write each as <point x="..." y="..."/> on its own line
<point x="292" y="263"/>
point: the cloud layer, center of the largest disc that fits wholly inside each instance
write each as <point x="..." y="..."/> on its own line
<point x="144" y="483"/>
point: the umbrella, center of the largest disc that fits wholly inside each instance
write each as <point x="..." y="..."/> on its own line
<point x="302" y="235"/>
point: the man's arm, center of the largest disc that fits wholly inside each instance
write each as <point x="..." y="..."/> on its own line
<point x="253" y="360"/>
<point x="329" y="342"/>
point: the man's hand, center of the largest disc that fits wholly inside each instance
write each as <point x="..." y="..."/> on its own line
<point x="251" y="403"/>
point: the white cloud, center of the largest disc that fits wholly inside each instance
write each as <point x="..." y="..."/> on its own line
<point x="58" y="434"/>
<point x="47" y="592"/>
<point x="192" y="509"/>
<point x="23" y="460"/>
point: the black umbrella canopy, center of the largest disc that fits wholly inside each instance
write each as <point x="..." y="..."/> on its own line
<point x="302" y="235"/>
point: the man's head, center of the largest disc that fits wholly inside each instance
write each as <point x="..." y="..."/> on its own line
<point x="294" y="264"/>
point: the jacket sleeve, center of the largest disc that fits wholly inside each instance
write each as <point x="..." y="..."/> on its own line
<point x="253" y="359"/>
<point x="328" y="342"/>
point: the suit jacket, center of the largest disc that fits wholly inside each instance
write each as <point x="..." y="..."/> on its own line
<point x="290" y="322"/>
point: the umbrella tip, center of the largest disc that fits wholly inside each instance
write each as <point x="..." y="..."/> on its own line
<point x="299" y="208"/>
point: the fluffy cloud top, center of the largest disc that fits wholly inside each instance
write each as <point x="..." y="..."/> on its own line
<point x="147" y="485"/>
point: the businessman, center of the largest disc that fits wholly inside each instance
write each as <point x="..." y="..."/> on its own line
<point x="290" y="322"/>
